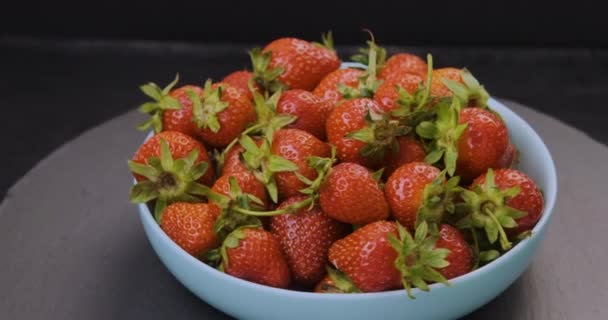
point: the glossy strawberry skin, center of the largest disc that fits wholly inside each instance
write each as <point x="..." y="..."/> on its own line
<point x="310" y="110"/>
<point x="438" y="89"/>
<point x="482" y="144"/>
<point x="258" y="258"/>
<point x="346" y="118"/>
<point x="181" y="119"/>
<point x="304" y="63"/>
<point x="460" y="256"/>
<point x="305" y="237"/>
<point x="410" y="150"/>
<point x="327" y="89"/>
<point x="296" y="146"/>
<point x="350" y="194"/>
<point x="240" y="80"/>
<point x="246" y="181"/>
<point x="180" y="145"/>
<point x="233" y="120"/>
<point x="190" y="225"/>
<point x="405" y="191"/>
<point x="529" y="199"/>
<point x="367" y="257"/>
<point x="399" y="64"/>
<point x="387" y="95"/>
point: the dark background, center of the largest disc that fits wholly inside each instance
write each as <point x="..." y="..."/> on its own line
<point x="65" y="67"/>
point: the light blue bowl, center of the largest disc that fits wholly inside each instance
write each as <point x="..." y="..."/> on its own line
<point x="247" y="300"/>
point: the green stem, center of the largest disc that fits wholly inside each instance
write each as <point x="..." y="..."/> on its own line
<point x="475" y="247"/>
<point x="293" y="207"/>
<point x="429" y="78"/>
<point x="504" y="240"/>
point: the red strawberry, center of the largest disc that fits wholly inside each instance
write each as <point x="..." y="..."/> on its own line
<point x="335" y="282"/>
<point x="305" y="237"/>
<point x="311" y="111"/>
<point x="351" y="194"/>
<point x="410" y="150"/>
<point x="222" y="114"/>
<point x="296" y="146"/>
<point x="387" y="94"/>
<point x="190" y="225"/>
<point x="449" y="82"/>
<point x="248" y="183"/>
<point x="529" y="199"/>
<point x="254" y="254"/>
<point x="350" y="123"/>
<point x="294" y="63"/>
<point x="169" y="167"/>
<point x="181" y="119"/>
<point x="482" y="144"/>
<point x="240" y="80"/>
<point x="438" y="88"/>
<point x="367" y="257"/>
<point x="405" y="191"/>
<point x="460" y="257"/>
<point x="327" y="89"/>
<point x="400" y="64"/>
<point x="170" y="110"/>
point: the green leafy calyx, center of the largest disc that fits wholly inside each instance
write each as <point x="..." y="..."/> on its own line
<point x="205" y="110"/>
<point x="470" y="93"/>
<point x="489" y="210"/>
<point x="161" y="101"/>
<point x="442" y="134"/>
<point x="263" y="74"/>
<point x="380" y="134"/>
<point x="418" y="259"/>
<point x="168" y="180"/>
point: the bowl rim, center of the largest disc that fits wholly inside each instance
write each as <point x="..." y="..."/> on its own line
<point x="550" y="198"/>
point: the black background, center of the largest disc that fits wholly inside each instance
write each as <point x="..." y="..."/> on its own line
<point x="66" y="66"/>
<point x="464" y="23"/>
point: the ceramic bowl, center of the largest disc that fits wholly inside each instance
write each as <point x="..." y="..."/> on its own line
<point x="247" y="300"/>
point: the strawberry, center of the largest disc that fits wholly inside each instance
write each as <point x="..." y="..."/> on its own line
<point x="507" y="199"/>
<point x="169" y="167"/>
<point x="361" y="132"/>
<point x="447" y="82"/>
<point x="482" y="144"/>
<point x="248" y="183"/>
<point x="460" y="258"/>
<point x="367" y="257"/>
<point x="351" y="194"/>
<point x="305" y="237"/>
<point x="222" y="114"/>
<point x="400" y="64"/>
<point x="410" y="150"/>
<point x="438" y="88"/>
<point x="190" y="225"/>
<point x="296" y="146"/>
<point x="293" y="63"/>
<point x="387" y="93"/>
<point x="421" y="258"/>
<point x="335" y="282"/>
<point x="170" y="110"/>
<point x="240" y="80"/>
<point x="405" y="191"/>
<point x="510" y="157"/>
<point x="311" y="111"/>
<point x="529" y="199"/>
<point x="254" y="254"/>
<point x="327" y="89"/>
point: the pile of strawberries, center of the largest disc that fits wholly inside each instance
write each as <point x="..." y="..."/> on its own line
<point x="308" y="176"/>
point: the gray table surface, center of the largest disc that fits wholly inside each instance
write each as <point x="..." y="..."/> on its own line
<point x="72" y="246"/>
